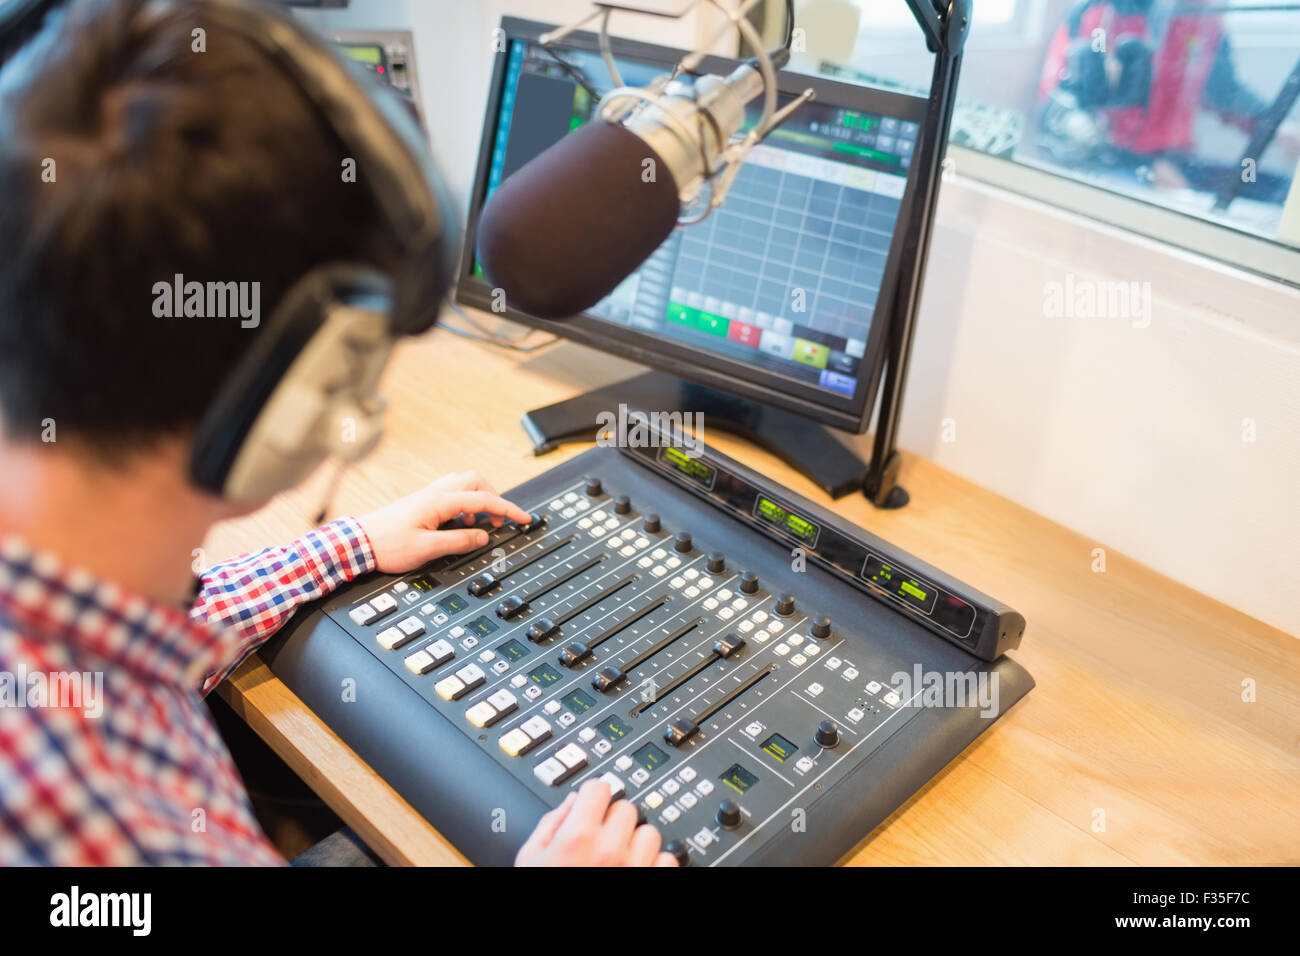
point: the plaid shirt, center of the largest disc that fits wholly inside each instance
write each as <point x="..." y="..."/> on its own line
<point x="138" y="773"/>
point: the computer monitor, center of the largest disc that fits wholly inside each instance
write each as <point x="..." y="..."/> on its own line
<point x="781" y="295"/>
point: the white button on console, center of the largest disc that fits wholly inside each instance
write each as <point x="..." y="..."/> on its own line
<point x="549" y="771"/>
<point x="449" y="688"/>
<point x="482" y="714"/>
<point x="615" y="784"/>
<point x="441" y="652"/>
<point x="515" y="742"/>
<point x="419" y="663"/>
<point x="572" y="756"/>
<point x="362" y="614"/>
<point x="536" y="728"/>
<point x="390" y="638"/>
<point x="472" y="675"/>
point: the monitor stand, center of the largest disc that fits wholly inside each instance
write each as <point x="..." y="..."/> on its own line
<point x="802" y="444"/>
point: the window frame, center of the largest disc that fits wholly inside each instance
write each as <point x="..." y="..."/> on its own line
<point x="1214" y="236"/>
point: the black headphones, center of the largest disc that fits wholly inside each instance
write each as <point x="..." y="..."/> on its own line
<point x="305" y="390"/>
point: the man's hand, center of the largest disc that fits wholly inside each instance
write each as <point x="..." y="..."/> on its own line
<point x="587" y="830"/>
<point x="404" y="534"/>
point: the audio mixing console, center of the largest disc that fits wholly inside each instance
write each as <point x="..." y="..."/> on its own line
<point x="747" y="668"/>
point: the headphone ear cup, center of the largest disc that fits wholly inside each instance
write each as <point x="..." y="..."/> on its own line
<point x="223" y="435"/>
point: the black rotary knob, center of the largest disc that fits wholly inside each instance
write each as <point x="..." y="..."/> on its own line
<point x="717" y="562"/>
<point x="749" y="582"/>
<point x="593" y="487"/>
<point x="785" y="605"/>
<point x="622" y="505"/>
<point x="679" y="850"/>
<point x="821" y="628"/>
<point x="651" y="524"/>
<point x="683" y="544"/>
<point x="728" y="816"/>
<point x="827" y="734"/>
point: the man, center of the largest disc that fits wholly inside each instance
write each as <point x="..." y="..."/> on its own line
<point x="1124" y="82"/>
<point x="125" y="156"/>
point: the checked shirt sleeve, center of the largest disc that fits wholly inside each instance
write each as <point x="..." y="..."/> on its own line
<point x="250" y="596"/>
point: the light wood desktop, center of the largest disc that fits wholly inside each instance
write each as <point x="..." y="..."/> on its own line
<point x="1136" y="747"/>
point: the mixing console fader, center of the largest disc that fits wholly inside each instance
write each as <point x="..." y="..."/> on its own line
<point x="763" y="680"/>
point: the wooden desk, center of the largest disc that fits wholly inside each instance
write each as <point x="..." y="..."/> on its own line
<point x="1136" y="746"/>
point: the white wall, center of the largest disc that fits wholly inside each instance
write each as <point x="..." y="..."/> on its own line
<point x="1131" y="436"/>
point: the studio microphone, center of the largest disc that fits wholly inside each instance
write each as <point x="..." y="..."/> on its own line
<point x="565" y="229"/>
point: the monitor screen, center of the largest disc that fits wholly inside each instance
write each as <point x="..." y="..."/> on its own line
<point x="778" y="294"/>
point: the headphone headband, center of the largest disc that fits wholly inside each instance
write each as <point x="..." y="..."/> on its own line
<point x="393" y="159"/>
